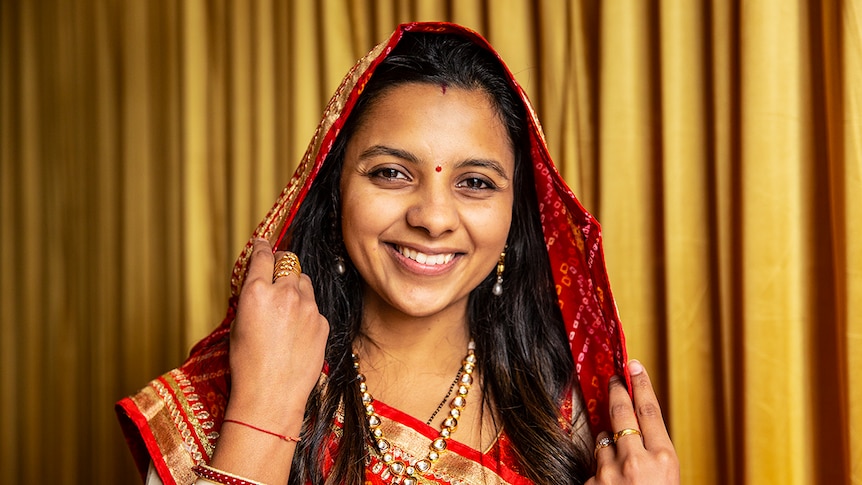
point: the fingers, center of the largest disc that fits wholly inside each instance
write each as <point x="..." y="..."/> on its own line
<point x="264" y="265"/>
<point x="274" y="282"/>
<point x="623" y="419"/>
<point x="261" y="262"/>
<point x="286" y="265"/>
<point x="604" y="451"/>
<point x="647" y="408"/>
<point x="641" y="451"/>
<point x="301" y="282"/>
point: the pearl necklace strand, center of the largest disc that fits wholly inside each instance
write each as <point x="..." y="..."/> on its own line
<point x="405" y="473"/>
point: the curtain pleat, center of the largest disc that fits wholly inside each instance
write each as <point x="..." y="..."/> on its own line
<point x="845" y="22"/>
<point x="719" y="143"/>
<point x="774" y="188"/>
<point x="686" y="190"/>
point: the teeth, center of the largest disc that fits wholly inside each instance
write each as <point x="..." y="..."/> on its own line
<point x="422" y="258"/>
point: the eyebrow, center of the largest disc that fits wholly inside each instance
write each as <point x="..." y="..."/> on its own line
<point x="382" y="150"/>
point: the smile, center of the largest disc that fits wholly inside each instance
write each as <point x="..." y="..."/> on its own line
<point x="422" y="258"/>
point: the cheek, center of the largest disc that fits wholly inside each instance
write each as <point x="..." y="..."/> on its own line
<point x="492" y="227"/>
<point x="363" y="218"/>
<point x="349" y="217"/>
<point x="351" y="229"/>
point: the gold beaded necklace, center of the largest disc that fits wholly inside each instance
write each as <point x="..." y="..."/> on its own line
<point x="407" y="473"/>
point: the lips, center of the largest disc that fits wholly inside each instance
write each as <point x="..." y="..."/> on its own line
<point x="423" y="258"/>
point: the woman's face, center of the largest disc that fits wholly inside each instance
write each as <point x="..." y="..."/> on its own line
<point x="427" y="197"/>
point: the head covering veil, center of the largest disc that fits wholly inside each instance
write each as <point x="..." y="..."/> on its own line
<point x="174" y="421"/>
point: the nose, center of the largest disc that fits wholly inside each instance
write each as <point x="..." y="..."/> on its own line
<point x="434" y="210"/>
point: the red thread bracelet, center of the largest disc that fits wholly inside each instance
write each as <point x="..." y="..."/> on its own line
<point x="289" y="439"/>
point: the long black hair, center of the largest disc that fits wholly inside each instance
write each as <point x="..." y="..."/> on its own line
<point x="524" y="356"/>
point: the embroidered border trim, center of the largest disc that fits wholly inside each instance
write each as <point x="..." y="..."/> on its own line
<point x="193" y="423"/>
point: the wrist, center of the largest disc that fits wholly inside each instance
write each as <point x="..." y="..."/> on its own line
<point x="280" y="416"/>
<point x="282" y="437"/>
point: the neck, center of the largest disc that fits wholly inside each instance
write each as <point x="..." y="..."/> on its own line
<point x="390" y="336"/>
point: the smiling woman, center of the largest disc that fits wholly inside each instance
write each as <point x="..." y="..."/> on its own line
<point x="422" y="239"/>
<point x="441" y="256"/>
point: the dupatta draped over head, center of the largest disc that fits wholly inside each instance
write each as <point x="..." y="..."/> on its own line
<point x="174" y="421"/>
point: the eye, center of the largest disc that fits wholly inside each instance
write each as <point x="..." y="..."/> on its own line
<point x="477" y="183"/>
<point x="388" y="173"/>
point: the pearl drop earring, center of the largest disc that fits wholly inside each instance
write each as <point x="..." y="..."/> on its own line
<point x="497" y="290"/>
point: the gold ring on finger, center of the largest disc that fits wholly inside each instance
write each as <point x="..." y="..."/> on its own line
<point x="602" y="443"/>
<point x="625" y="432"/>
<point x="286" y="265"/>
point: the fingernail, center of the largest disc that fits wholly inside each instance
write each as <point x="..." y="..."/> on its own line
<point x="635" y="367"/>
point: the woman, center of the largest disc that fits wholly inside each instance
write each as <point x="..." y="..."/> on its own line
<point x="428" y="257"/>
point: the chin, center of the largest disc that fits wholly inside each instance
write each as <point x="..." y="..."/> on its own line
<point x="427" y="306"/>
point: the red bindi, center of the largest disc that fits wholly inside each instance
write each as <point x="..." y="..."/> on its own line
<point x="439" y="168"/>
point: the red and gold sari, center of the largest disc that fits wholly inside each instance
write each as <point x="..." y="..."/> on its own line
<point x="174" y="421"/>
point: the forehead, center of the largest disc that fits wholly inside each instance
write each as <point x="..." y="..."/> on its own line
<point x="436" y="115"/>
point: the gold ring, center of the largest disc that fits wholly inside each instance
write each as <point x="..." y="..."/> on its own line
<point x="625" y="432"/>
<point x="286" y="265"/>
<point x="603" y="442"/>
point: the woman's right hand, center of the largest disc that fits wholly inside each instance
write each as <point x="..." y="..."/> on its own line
<point x="277" y="344"/>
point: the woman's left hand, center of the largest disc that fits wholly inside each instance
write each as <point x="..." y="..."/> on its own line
<point x="641" y="452"/>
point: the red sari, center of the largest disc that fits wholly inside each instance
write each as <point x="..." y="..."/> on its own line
<point x="174" y="421"/>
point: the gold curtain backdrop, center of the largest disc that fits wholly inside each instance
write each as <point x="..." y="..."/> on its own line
<point x="720" y="144"/>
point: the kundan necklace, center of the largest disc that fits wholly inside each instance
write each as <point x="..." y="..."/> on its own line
<point x="407" y="473"/>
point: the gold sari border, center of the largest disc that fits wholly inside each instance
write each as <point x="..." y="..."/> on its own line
<point x="194" y="423"/>
<point x="157" y="431"/>
<point x="175" y="427"/>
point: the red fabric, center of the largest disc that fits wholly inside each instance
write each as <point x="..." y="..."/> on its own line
<point x="572" y="236"/>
